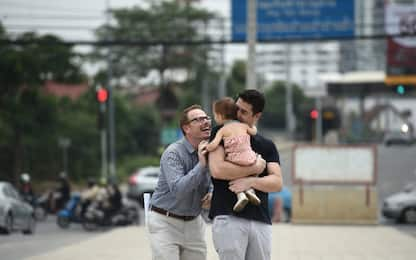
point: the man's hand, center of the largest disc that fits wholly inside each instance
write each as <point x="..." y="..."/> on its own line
<point x="240" y="185"/>
<point x="259" y="165"/>
<point x="202" y="146"/>
<point x="206" y="201"/>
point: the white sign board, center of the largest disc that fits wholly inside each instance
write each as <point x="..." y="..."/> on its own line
<point x="336" y="164"/>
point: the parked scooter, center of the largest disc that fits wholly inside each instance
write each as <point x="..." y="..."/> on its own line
<point x="70" y="213"/>
<point x="96" y="217"/>
<point x="43" y="205"/>
<point x="38" y="210"/>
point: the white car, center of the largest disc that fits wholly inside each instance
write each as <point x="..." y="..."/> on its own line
<point x="142" y="181"/>
<point x="401" y="206"/>
<point x="15" y="213"/>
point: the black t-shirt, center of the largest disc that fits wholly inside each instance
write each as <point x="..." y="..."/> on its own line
<point x="223" y="199"/>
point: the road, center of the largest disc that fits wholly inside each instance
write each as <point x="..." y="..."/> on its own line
<point x="396" y="168"/>
<point x="48" y="236"/>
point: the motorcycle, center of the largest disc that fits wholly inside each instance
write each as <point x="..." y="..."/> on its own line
<point x="40" y="213"/>
<point x="96" y="216"/>
<point x="70" y="213"/>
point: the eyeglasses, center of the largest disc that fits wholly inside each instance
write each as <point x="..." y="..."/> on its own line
<point x="200" y="119"/>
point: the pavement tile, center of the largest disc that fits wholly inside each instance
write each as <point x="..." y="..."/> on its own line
<point x="290" y="242"/>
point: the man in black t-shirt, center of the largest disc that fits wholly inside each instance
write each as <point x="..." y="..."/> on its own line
<point x="246" y="234"/>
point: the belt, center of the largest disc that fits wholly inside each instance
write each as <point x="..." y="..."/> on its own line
<point x="170" y="214"/>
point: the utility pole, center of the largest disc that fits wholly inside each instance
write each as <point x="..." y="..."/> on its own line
<point x="222" y="92"/>
<point x="111" y="130"/>
<point x="205" y="87"/>
<point x="64" y="143"/>
<point x="290" y="121"/>
<point x="251" y="40"/>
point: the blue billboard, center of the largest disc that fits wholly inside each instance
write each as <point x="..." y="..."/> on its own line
<point x="295" y="19"/>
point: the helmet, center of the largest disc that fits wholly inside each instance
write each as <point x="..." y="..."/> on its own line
<point x="62" y="175"/>
<point x="103" y="181"/>
<point x="25" y="177"/>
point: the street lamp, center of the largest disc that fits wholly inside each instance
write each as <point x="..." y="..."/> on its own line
<point x="64" y="143"/>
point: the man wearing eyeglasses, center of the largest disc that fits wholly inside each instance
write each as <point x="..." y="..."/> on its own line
<point x="176" y="229"/>
<point x="247" y="234"/>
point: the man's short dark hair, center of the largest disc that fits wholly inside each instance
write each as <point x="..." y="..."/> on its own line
<point x="254" y="98"/>
<point x="184" y="117"/>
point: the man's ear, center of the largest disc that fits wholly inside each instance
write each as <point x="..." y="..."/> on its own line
<point x="185" y="128"/>
<point x="257" y="116"/>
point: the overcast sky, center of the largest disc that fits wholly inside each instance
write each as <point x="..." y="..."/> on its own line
<point x="76" y="19"/>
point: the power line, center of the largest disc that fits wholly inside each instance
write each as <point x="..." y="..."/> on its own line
<point x="31" y="16"/>
<point x="50" y="27"/>
<point x="212" y="27"/>
<point x="53" y="8"/>
<point x="129" y="42"/>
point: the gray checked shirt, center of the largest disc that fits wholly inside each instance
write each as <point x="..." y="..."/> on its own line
<point x="183" y="182"/>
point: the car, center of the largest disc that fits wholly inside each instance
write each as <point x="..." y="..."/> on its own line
<point x="15" y="212"/>
<point x="285" y="200"/>
<point x="402" y="137"/>
<point x="401" y="206"/>
<point x="144" y="180"/>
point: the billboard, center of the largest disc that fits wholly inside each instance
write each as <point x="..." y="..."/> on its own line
<point x="295" y="19"/>
<point x="401" y="51"/>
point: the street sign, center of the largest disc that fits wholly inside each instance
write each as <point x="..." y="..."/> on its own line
<point x="170" y="135"/>
<point x="295" y="19"/>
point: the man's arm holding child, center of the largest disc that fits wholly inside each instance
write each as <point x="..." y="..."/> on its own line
<point x="224" y="170"/>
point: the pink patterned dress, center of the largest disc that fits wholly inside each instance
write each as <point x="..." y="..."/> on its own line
<point x="238" y="150"/>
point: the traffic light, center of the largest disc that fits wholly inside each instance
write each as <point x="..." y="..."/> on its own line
<point x="400" y="89"/>
<point x="404" y="90"/>
<point x="102" y="95"/>
<point x="314" y="114"/>
<point x="329" y="117"/>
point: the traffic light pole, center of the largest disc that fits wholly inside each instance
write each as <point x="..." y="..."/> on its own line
<point x="103" y="134"/>
<point x="318" y="125"/>
<point x="111" y="130"/>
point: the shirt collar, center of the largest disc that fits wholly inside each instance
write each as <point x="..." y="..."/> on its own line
<point x="188" y="145"/>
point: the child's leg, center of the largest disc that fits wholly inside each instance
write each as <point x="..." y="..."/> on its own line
<point x="241" y="202"/>
<point x="252" y="197"/>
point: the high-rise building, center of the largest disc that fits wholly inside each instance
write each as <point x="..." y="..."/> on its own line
<point x="365" y="54"/>
<point x="299" y="63"/>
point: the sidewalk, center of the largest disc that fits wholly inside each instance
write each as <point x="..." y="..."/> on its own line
<point x="300" y="242"/>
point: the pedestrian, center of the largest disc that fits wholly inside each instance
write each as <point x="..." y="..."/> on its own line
<point x="246" y="234"/>
<point x="235" y="137"/>
<point x="176" y="229"/>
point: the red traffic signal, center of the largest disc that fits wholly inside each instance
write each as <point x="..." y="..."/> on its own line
<point x="102" y="95"/>
<point x="314" y="114"/>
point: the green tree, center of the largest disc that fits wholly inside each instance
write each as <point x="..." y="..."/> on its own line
<point x="237" y="79"/>
<point x="274" y="115"/>
<point x="161" y="22"/>
<point x="24" y="112"/>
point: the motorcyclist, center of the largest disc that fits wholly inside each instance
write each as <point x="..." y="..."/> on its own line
<point x="115" y="199"/>
<point x="26" y="189"/>
<point x="62" y="193"/>
<point x="109" y="199"/>
<point x="89" y="195"/>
